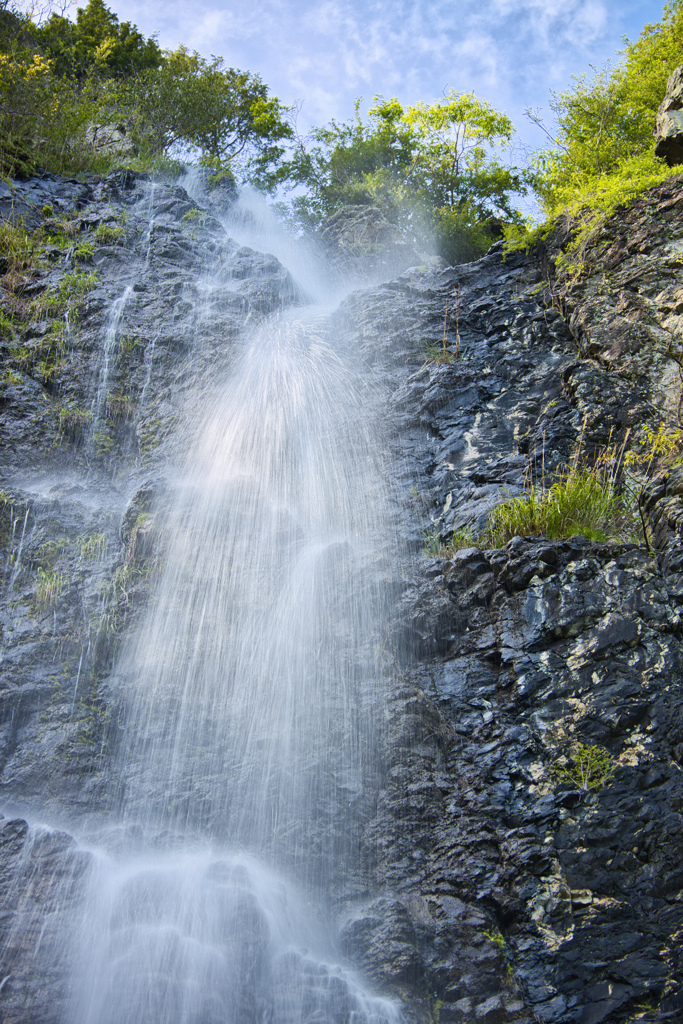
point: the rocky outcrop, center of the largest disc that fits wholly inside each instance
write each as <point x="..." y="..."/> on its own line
<point x="669" y="124"/>
<point x="359" y="239"/>
<point x="523" y="860"/>
<point x="527" y="836"/>
<point x="111" y="140"/>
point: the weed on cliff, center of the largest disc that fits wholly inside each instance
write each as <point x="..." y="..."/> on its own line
<point x="581" y="501"/>
<point x="49" y="587"/>
<point x="108" y="234"/>
<point x="589" y="767"/>
<point x="587" y="501"/>
<point x="92" y="546"/>
<point x="21" y="253"/>
<point x="73" y="421"/>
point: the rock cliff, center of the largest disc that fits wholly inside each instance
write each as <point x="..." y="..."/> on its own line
<point x="498" y="887"/>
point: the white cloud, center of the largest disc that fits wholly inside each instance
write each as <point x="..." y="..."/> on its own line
<point x="510" y="52"/>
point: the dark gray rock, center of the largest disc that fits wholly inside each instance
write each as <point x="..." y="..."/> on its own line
<point x="493" y="883"/>
<point x="669" y="124"/>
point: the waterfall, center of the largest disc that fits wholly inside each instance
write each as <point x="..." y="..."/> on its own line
<point x="250" y="701"/>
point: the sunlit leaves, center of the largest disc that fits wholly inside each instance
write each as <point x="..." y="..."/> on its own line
<point x="222" y="115"/>
<point x="96" y="44"/>
<point x="603" y="152"/>
<point x="439" y="163"/>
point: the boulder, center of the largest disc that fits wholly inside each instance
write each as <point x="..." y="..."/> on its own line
<point x="110" y="140"/>
<point x="669" y="124"/>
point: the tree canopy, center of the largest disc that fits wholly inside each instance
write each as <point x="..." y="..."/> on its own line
<point x="442" y="160"/>
<point x="95" y="44"/>
<point x="60" y="76"/>
<point x="225" y="116"/>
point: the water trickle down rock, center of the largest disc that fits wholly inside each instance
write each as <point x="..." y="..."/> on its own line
<point x="505" y="894"/>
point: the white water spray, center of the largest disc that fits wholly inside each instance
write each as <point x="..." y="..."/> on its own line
<point x="251" y="700"/>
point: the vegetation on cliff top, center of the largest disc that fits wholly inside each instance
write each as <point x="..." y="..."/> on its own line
<point x="441" y="167"/>
<point x="602" y="148"/>
<point x="60" y="77"/>
<point x="435" y="168"/>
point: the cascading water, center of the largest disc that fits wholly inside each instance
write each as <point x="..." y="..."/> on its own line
<point x="111" y="338"/>
<point x="251" y="698"/>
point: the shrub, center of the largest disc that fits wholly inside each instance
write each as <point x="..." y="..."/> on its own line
<point x="588" y="768"/>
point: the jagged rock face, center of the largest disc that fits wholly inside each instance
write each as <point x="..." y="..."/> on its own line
<point x="669" y="124"/>
<point x="73" y="465"/>
<point x="111" y="139"/>
<point x="497" y="887"/>
<point x="85" y="453"/>
<point x="492" y="858"/>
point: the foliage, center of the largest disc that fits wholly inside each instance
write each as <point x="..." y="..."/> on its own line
<point x="432" y="543"/>
<point x="465" y="537"/>
<point x="73" y="421"/>
<point x="41" y="353"/>
<point x="59" y="77"/>
<point x="25" y="100"/>
<point x="452" y="143"/>
<point x="92" y="547"/>
<point x="120" y="406"/>
<point x="96" y="45"/>
<point x="497" y="938"/>
<point x="104" y="444"/>
<point x="662" y="448"/>
<point x="20" y="249"/>
<point x="223" y="115"/>
<point x="656" y="451"/>
<point x="589" y="768"/>
<point x="433" y="167"/>
<point x="108" y="234"/>
<point x="591" y="501"/>
<point x="582" y="501"/>
<point x="51" y="551"/>
<point x="602" y="154"/>
<point x="49" y="587"/>
<point x="46" y="107"/>
<point x="84" y="251"/>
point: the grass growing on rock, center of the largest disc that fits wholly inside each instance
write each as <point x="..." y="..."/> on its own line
<point x="582" y="501"/>
<point x="585" y="501"/>
<point x="49" y="587"/>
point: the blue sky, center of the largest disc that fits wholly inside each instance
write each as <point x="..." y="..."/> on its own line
<point x="323" y="54"/>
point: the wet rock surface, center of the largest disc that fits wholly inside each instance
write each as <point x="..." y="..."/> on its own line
<point x="532" y="884"/>
<point x="89" y="427"/>
<point x="85" y="451"/>
<point x="501" y="884"/>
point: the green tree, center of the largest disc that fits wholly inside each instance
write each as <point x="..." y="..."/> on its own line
<point x="96" y="44"/>
<point x="356" y="161"/>
<point x="224" y="116"/>
<point x="454" y="163"/>
<point x="439" y="159"/>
